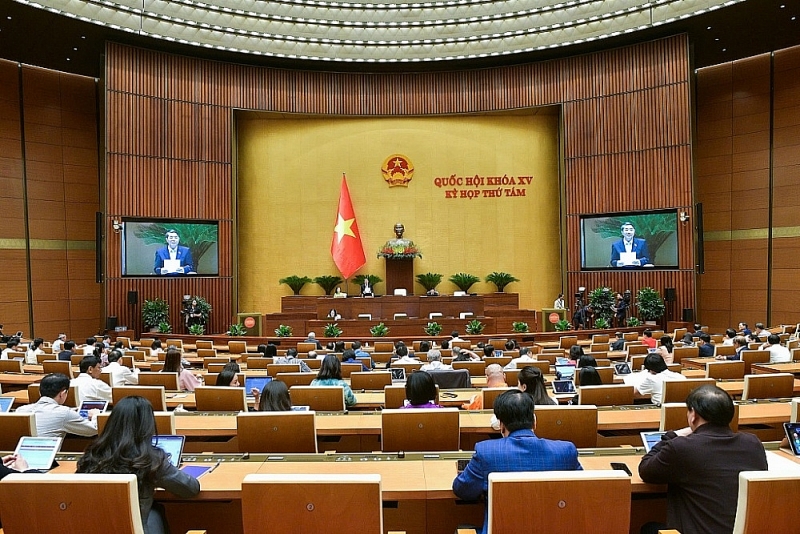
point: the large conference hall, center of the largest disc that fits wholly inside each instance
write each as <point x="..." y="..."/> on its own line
<point x="379" y="171"/>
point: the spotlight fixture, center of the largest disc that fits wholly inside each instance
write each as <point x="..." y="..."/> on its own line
<point x="117" y="225"/>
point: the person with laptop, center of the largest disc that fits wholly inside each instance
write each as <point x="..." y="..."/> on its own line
<point x="172" y="364"/>
<point x="53" y="419"/>
<point x="330" y="374"/>
<point x="701" y="465"/>
<point x="89" y="385"/>
<point x="120" y="375"/>
<point x="518" y="450"/>
<point x="655" y="374"/>
<point x="126" y="446"/>
<point x="420" y="391"/>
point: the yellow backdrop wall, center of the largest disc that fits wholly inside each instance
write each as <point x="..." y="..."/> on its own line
<point x="289" y="174"/>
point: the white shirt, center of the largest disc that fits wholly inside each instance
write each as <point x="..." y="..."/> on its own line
<point x="30" y="356"/>
<point x="518" y="362"/>
<point x="10" y="354"/>
<point x="778" y="354"/>
<point x="88" y="350"/>
<point x="55" y="420"/>
<point x="559" y="304"/>
<point x="58" y="346"/>
<point x="436" y="365"/>
<point x="90" y="388"/>
<point x="121" y="375"/>
<point x="653" y="384"/>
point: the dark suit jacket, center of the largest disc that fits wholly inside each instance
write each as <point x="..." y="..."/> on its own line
<point x="639" y="247"/>
<point x="184" y="254"/>
<point x="520" y="451"/>
<point x="702" y="473"/>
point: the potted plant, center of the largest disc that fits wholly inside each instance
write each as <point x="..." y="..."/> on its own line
<point x="562" y="325"/>
<point x="155" y="312"/>
<point x="650" y="304"/>
<point x="601" y="324"/>
<point x="501" y="280"/>
<point x="379" y="330"/>
<point x="602" y="300"/>
<point x="519" y="327"/>
<point x="283" y="330"/>
<point x="164" y="328"/>
<point x="236" y="330"/>
<point x="373" y="279"/>
<point x="632" y="321"/>
<point x="328" y="283"/>
<point x="474" y="327"/>
<point x="429" y="280"/>
<point x="197" y="329"/>
<point x="332" y="330"/>
<point x="464" y="281"/>
<point x="295" y="282"/>
<point x="433" y="328"/>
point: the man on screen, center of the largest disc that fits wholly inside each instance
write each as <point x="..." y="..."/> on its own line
<point x="173" y="259"/>
<point x="629" y="251"/>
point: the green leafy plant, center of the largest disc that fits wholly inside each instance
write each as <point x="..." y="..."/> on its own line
<point x="562" y="325"/>
<point x="633" y="321"/>
<point x="373" y="279"/>
<point x="519" y="327"/>
<point x="155" y="312"/>
<point x="164" y="328"/>
<point x="601" y="323"/>
<point x="429" y="280"/>
<point x="464" y="281"/>
<point x="501" y="279"/>
<point x="283" y="330"/>
<point x="379" y="330"/>
<point x="474" y="327"/>
<point x="602" y="300"/>
<point x="433" y="328"/>
<point x="295" y="282"/>
<point x="197" y="329"/>
<point x="332" y="330"/>
<point x="236" y="330"/>
<point x="328" y="283"/>
<point x="198" y="237"/>
<point x="650" y="304"/>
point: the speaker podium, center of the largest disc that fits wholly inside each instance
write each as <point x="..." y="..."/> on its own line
<point x="252" y="322"/>
<point x="550" y="316"/>
<point x="399" y="275"/>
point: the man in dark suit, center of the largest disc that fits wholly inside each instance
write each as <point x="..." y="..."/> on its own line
<point x="701" y="465"/>
<point x="629" y="244"/>
<point x="173" y="252"/>
<point x="519" y="450"/>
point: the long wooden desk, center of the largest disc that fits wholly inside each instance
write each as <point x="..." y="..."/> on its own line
<point x="790" y="367"/>
<point x="413" y="306"/>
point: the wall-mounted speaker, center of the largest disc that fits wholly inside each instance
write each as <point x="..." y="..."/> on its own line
<point x="688" y="315"/>
<point x="133" y="297"/>
<point x="670" y="295"/>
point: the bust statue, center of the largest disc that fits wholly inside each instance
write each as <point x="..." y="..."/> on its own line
<point x="399" y="247"/>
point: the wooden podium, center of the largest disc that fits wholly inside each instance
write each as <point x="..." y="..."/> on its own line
<point x="399" y="275"/>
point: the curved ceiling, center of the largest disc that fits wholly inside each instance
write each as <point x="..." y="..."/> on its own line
<point x="379" y="31"/>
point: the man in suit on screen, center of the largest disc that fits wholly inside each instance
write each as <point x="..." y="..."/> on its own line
<point x="173" y="259"/>
<point x="629" y="251"/>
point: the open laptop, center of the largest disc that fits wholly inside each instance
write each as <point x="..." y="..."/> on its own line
<point x="398" y="375"/>
<point x="39" y="452"/>
<point x="172" y="445"/>
<point x="565" y="372"/>
<point x="649" y="439"/>
<point x="563" y="386"/>
<point x="793" y="434"/>
<point x="255" y="382"/>
<point x="92" y="405"/>
<point x="6" y="403"/>
<point x="622" y="368"/>
<point x="562" y="361"/>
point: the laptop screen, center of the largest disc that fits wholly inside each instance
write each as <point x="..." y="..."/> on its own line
<point x="6" y="403"/>
<point x="172" y="445"/>
<point x="563" y="386"/>
<point x="565" y="371"/>
<point x="92" y="405"/>
<point x="793" y="435"/>
<point x="649" y="439"/>
<point x="39" y="452"/>
<point x="398" y="374"/>
<point x="256" y="382"/>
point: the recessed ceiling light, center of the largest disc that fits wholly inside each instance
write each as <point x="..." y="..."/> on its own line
<point x="708" y="27"/>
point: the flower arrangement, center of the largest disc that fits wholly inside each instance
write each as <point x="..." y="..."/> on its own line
<point x="405" y="250"/>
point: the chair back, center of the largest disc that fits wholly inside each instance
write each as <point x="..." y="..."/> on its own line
<point x="37" y="504"/>
<point x="168" y="380"/>
<point x="72" y="395"/>
<point x="637" y="350"/>
<point x="137" y="355"/>
<point x="749" y="357"/>
<point x="215" y="359"/>
<point x="58" y="366"/>
<point x="422" y="429"/>
<point x="577" y="424"/>
<point x="490" y="394"/>
<point x="126" y="341"/>
<point x="376" y="380"/>
<point x="384" y="346"/>
<point x="512" y="375"/>
<point x="502" y="361"/>
<point x="237" y="347"/>
<point x="274" y="368"/>
<point x="394" y="396"/>
<point x="40" y="358"/>
<point x="350" y="368"/>
<point x="319" y="398"/>
<point x="165" y="422"/>
<point x="312" y="363"/>
<point x="725" y="370"/>
<point x="409" y="367"/>
<point x="75" y="359"/>
<point x="15" y="365"/>
<point x="477" y="368"/>
<point x="724" y="350"/>
<point x="673" y="417"/>
<point x="303" y="347"/>
<point x="296" y="379"/>
<point x="258" y="363"/>
<point x="607" y="395"/>
<point x="768" y="386"/>
<point x="637" y="362"/>
<point x="13" y="426"/>
<point x="267" y="432"/>
<point x="678" y="390"/>
<point x="204" y="344"/>
<point x="679" y="353"/>
<point x="542" y="365"/>
<point x="210" y="379"/>
<point x="567" y="501"/>
<point x="146" y="342"/>
<point x="600" y="338"/>
<point x="313" y="503"/>
<point x="606" y="375"/>
<point x="155" y="394"/>
<point x="630" y="336"/>
<point x="206" y="353"/>
<point x="600" y="347"/>
<point x="678" y="333"/>
<point x="177" y="343"/>
<point x="762" y="502"/>
<point x="220" y="399"/>
<point x="565" y="342"/>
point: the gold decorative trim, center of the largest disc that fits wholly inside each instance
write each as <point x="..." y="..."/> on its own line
<point x="46" y="244"/>
<point x="752" y="233"/>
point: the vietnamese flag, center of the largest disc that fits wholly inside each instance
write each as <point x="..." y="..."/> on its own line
<point x="346" y="248"/>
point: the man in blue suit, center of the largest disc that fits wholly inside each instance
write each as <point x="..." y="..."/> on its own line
<point x="519" y="450"/>
<point x="173" y="252"/>
<point x="629" y="244"/>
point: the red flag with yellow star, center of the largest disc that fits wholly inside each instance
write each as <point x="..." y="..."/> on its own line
<point x="346" y="247"/>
